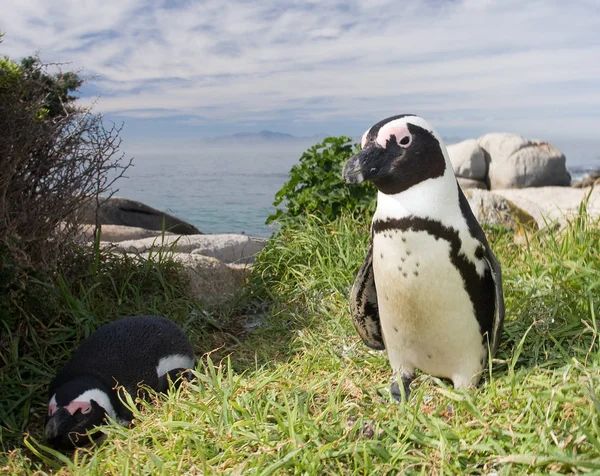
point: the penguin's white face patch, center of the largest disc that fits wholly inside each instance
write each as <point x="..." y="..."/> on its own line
<point x="398" y="130"/>
<point x="83" y="402"/>
<point x="52" y="406"/>
<point x="172" y="362"/>
<point x="363" y="141"/>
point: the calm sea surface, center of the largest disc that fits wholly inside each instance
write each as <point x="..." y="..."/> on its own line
<point x="230" y="189"/>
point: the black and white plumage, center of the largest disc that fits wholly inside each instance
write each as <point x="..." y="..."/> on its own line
<point x="145" y="350"/>
<point x="430" y="288"/>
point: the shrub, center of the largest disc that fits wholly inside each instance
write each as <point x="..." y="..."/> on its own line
<point x="316" y="186"/>
<point x="54" y="157"/>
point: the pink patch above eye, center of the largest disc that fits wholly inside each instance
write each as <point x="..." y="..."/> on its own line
<point x="398" y="131"/>
<point x="51" y="409"/>
<point x="85" y="407"/>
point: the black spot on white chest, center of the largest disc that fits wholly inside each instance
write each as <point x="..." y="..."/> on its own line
<point x="401" y="250"/>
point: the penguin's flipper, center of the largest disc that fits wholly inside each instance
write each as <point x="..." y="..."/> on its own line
<point x="499" y="301"/>
<point x="363" y="305"/>
<point x="495" y="270"/>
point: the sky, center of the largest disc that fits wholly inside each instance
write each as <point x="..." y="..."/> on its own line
<point x="176" y="70"/>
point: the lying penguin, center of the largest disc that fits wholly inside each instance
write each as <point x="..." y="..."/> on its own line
<point x="430" y="288"/>
<point x="146" y="350"/>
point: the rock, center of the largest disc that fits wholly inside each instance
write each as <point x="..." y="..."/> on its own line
<point x="125" y="212"/>
<point x="516" y="162"/>
<point x="554" y="203"/>
<point x="117" y="233"/>
<point x="211" y="281"/>
<point x="591" y="179"/>
<point x="468" y="160"/>
<point x="467" y="184"/>
<point x="229" y="248"/>
<point x="492" y="209"/>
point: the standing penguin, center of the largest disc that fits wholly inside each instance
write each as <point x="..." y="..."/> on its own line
<point x="132" y="351"/>
<point x="430" y="288"/>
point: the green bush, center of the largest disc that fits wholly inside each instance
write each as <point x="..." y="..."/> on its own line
<point x="316" y="186"/>
<point x="55" y="157"/>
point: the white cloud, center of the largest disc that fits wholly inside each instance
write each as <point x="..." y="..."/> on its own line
<point x="512" y="65"/>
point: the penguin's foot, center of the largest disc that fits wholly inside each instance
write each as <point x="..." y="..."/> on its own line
<point x="406" y="381"/>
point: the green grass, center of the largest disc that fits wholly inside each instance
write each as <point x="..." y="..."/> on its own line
<point x="295" y="391"/>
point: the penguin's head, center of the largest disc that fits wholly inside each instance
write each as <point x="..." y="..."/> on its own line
<point x="76" y="407"/>
<point x="398" y="153"/>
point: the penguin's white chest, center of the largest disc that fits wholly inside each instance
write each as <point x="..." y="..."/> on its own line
<point x="426" y="315"/>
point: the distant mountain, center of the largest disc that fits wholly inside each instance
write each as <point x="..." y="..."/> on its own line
<point x="282" y="138"/>
<point x="262" y="136"/>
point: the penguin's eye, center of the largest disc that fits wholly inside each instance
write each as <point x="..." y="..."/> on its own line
<point x="405" y="141"/>
<point x="86" y="409"/>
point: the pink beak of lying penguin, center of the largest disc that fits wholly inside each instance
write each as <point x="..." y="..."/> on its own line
<point x="146" y="350"/>
<point x="430" y="289"/>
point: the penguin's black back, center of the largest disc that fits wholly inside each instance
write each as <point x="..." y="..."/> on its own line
<point x="128" y="351"/>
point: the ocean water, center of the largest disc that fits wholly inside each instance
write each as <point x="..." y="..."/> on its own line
<point x="225" y="189"/>
<point x="230" y="189"/>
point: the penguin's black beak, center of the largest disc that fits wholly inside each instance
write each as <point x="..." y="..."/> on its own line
<point x="56" y="422"/>
<point x="64" y="432"/>
<point x="362" y="166"/>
